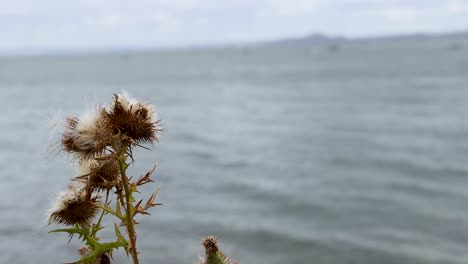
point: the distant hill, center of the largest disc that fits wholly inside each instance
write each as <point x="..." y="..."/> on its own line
<point x="419" y="36"/>
<point x="323" y="39"/>
<point x="309" y="39"/>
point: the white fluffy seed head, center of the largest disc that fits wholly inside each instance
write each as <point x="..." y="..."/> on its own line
<point x="73" y="192"/>
<point x="85" y="167"/>
<point x="152" y="113"/>
<point x="86" y="136"/>
<point x="88" y="120"/>
<point x="128" y="103"/>
<point x="87" y="129"/>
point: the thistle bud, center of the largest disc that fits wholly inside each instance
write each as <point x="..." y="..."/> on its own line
<point x="211" y="245"/>
<point x="213" y="254"/>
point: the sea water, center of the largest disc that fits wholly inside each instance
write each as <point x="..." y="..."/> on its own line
<point x="289" y="154"/>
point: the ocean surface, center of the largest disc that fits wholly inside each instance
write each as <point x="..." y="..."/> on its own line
<point x="289" y="154"/>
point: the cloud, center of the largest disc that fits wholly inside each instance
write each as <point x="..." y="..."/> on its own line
<point x="56" y="24"/>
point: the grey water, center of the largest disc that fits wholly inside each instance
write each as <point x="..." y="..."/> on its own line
<point x="289" y="154"/>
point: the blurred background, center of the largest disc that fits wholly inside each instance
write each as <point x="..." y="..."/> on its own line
<point x="296" y="131"/>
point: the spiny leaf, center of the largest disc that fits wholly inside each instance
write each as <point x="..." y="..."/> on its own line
<point x="91" y="257"/>
<point x="146" y="178"/>
<point x="111" y="245"/>
<point x="139" y="209"/>
<point x="110" y="211"/>
<point x="82" y="234"/>
<point x="68" y="230"/>
<point x="150" y="203"/>
<point x="121" y="238"/>
<point x="118" y="212"/>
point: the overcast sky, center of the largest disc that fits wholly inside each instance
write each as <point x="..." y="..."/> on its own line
<point x="38" y="25"/>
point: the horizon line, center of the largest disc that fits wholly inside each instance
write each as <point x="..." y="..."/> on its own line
<point x="269" y="41"/>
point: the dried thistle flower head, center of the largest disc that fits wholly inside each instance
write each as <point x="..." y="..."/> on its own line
<point x="74" y="206"/>
<point x="104" y="175"/>
<point x="133" y="119"/>
<point x="101" y="173"/>
<point x="87" y="136"/>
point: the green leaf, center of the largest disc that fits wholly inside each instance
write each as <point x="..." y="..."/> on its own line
<point x="121" y="239"/>
<point x="118" y="211"/>
<point x="82" y="233"/>
<point x="109" y="210"/>
<point x="70" y="231"/>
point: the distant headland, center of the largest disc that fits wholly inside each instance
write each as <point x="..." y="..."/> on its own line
<point x="318" y="38"/>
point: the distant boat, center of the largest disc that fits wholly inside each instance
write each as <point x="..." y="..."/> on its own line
<point x="333" y="47"/>
<point x="246" y="51"/>
<point x="455" y="46"/>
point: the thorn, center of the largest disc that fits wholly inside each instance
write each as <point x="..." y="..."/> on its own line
<point x="150" y="203"/>
<point x="146" y="178"/>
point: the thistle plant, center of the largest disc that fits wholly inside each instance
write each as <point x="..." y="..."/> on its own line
<point x="100" y="144"/>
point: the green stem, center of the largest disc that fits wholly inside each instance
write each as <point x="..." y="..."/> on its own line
<point x="96" y="227"/>
<point x="128" y="207"/>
